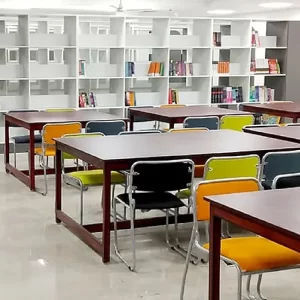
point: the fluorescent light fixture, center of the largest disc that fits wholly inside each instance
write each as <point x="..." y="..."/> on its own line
<point x="276" y="4"/>
<point x="221" y="12"/>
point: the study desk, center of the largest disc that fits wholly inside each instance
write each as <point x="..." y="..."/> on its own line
<point x="35" y="121"/>
<point x="273" y="214"/>
<point x="114" y="153"/>
<point x="179" y="114"/>
<point x="288" y="133"/>
<point x="288" y="110"/>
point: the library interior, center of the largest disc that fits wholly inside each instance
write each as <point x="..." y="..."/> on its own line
<point x="151" y="149"/>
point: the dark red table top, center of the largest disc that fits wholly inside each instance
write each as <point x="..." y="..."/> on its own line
<point x="281" y="107"/>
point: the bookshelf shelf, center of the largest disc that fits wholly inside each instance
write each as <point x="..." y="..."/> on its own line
<point x="49" y="60"/>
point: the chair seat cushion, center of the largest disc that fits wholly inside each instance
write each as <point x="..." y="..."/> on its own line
<point x="48" y="152"/>
<point x="257" y="253"/>
<point x="24" y="139"/>
<point x="267" y="185"/>
<point x="95" y="177"/>
<point x="183" y="194"/>
<point x="152" y="200"/>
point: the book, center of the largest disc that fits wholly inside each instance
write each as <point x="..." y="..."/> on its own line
<point x="130" y="98"/>
<point x="82" y="67"/>
<point x="226" y="94"/>
<point x="217" y="39"/>
<point x="156" y="69"/>
<point x="261" y="94"/>
<point x="129" y="69"/>
<point x="180" y="68"/>
<point x="173" y="97"/>
<point x="223" y="67"/>
<point x="273" y="66"/>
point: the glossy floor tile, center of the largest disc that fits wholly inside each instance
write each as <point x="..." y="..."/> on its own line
<point x="42" y="260"/>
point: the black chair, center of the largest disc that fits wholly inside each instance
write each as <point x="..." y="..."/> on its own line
<point x="22" y="139"/>
<point x="286" y="181"/>
<point x="150" y="186"/>
<point x="106" y="127"/>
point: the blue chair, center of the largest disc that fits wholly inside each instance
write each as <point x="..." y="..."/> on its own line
<point x="139" y="132"/>
<point x="212" y="123"/>
<point x="278" y="163"/>
<point x="22" y="139"/>
<point x="106" y="127"/>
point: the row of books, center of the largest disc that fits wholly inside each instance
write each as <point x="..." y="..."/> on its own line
<point x="255" y="40"/>
<point x="130" y="98"/>
<point x="180" y="68"/>
<point x="261" y="94"/>
<point x="173" y="97"/>
<point x="223" y="67"/>
<point x="129" y="68"/>
<point x="264" y="65"/>
<point x="156" y="69"/>
<point x="226" y="94"/>
<point x="87" y="99"/>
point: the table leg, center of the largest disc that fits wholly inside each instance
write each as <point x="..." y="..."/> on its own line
<point x="214" y="256"/>
<point x="295" y="120"/>
<point x="106" y="215"/>
<point x="58" y="172"/>
<point x="131" y="122"/>
<point x="31" y="160"/>
<point x="171" y="125"/>
<point x="6" y="156"/>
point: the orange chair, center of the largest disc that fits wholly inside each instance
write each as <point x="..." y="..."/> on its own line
<point x="50" y="132"/>
<point x="249" y="255"/>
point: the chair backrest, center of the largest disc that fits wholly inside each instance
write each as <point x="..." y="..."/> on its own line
<point x="175" y="130"/>
<point x="106" y="127"/>
<point x="57" y="130"/>
<point x="60" y="109"/>
<point x="232" y="167"/>
<point x="21" y="110"/>
<point x="172" y="105"/>
<point x="220" y="187"/>
<point x="138" y="119"/>
<point x="211" y="123"/>
<point x="286" y="181"/>
<point x="139" y="132"/>
<point x="261" y="125"/>
<point x="292" y="124"/>
<point x="236" y="122"/>
<point x="279" y="163"/>
<point x="161" y="176"/>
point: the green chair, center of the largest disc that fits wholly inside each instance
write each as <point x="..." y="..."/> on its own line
<point x="87" y="178"/>
<point x="228" y="167"/>
<point x="237" y="122"/>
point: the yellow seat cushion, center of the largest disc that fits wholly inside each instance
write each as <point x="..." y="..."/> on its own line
<point x="257" y="253"/>
<point x="96" y="177"/>
<point x="48" y="152"/>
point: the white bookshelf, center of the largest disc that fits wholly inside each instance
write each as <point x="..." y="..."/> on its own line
<point x="39" y="56"/>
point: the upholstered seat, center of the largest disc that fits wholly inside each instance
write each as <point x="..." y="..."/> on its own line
<point x="24" y="139"/>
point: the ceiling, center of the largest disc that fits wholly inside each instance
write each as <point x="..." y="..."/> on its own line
<point x="177" y="7"/>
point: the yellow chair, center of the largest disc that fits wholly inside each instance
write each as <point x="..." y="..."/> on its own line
<point x="236" y="122"/>
<point x="249" y="255"/>
<point x="228" y="167"/>
<point x="50" y="132"/>
<point x="168" y="106"/>
<point x="198" y="173"/>
<point x="87" y="178"/>
<point x="60" y="109"/>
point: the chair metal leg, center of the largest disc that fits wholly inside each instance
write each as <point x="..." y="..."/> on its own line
<point x="119" y="216"/>
<point x="130" y="267"/>
<point x="81" y="205"/>
<point x="15" y="155"/>
<point x="45" y="192"/>
<point x="258" y="286"/>
<point x="187" y="262"/>
<point x="239" y="285"/>
<point x="251" y="297"/>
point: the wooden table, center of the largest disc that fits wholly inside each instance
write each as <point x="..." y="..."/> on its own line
<point x="179" y="114"/>
<point x="35" y="121"/>
<point x="120" y="152"/>
<point x="288" y="110"/>
<point x="289" y="133"/>
<point x="273" y="214"/>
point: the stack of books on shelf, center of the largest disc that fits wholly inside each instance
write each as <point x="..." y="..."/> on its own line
<point x="130" y="98"/>
<point x="261" y="94"/>
<point x="173" y="97"/>
<point x="156" y="69"/>
<point x="82" y="67"/>
<point x="180" y="68"/>
<point x="87" y="99"/>
<point x="255" y="40"/>
<point x="226" y="94"/>
<point x="265" y="66"/>
<point x="221" y="67"/>
<point x="129" y="69"/>
<point x="217" y="39"/>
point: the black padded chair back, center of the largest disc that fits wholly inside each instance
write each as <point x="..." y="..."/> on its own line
<point x="161" y="176"/>
<point x="286" y="181"/>
<point x="138" y="119"/>
<point x="21" y="110"/>
<point x="212" y="123"/>
<point x="106" y="127"/>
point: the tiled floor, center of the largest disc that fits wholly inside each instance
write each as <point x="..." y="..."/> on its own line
<point x="42" y="260"/>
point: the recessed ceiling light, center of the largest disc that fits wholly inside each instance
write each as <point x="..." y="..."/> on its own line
<point x="276" y="4"/>
<point x="221" y="12"/>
